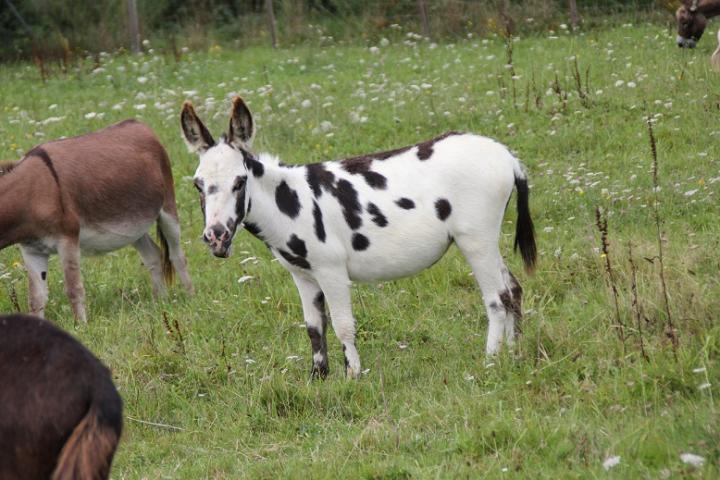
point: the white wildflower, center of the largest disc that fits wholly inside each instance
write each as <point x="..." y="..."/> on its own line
<point x="142" y="80"/>
<point x="611" y="462"/>
<point x="245" y="278"/>
<point x="692" y="459"/>
<point x="306" y="104"/>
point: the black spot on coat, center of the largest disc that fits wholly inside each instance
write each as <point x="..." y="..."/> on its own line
<point x="348" y="198"/>
<point x="425" y="149"/>
<point x="360" y="242"/>
<point x="361" y="166"/>
<point x="254" y="230"/>
<point x="377" y="216"/>
<point x="405" y="203"/>
<point x="294" y="259"/>
<point x="253" y="165"/>
<point x="297" y="246"/>
<point x="319" y="178"/>
<point x="375" y="180"/>
<point x="287" y="200"/>
<point x="442" y="208"/>
<point x="318" y="222"/>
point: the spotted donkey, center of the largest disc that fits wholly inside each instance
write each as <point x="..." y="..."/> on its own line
<point x="372" y="217"/>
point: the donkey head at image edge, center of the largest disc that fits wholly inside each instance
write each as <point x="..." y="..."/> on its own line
<point x="221" y="175"/>
<point x="691" y="23"/>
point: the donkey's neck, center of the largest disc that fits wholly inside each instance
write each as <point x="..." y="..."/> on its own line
<point x="262" y="199"/>
<point x="15" y="206"/>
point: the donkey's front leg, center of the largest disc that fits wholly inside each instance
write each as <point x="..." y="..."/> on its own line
<point x="313" y="303"/>
<point x="36" y="265"/>
<point x="69" y="251"/>
<point x="336" y="286"/>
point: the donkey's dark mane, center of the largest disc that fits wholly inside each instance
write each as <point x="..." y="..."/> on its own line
<point x="7" y="167"/>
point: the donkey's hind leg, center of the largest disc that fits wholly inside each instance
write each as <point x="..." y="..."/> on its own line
<point x="170" y="228"/>
<point x="36" y="265"/>
<point x="152" y="259"/>
<point x="69" y="251"/>
<point x="488" y="267"/>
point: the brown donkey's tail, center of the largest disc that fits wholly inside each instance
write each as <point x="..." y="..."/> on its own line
<point x="167" y="267"/>
<point x="524" y="230"/>
<point x="89" y="451"/>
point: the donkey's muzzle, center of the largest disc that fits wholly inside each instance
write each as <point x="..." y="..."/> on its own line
<point x="683" y="42"/>
<point x="219" y="239"/>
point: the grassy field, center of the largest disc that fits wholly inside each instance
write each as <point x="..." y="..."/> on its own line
<point x="228" y="382"/>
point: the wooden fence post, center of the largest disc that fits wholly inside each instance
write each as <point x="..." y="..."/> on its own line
<point x="271" y="22"/>
<point x="422" y="8"/>
<point x="133" y="26"/>
<point x="574" y="15"/>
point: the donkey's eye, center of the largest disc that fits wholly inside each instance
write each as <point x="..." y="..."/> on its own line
<point x="238" y="184"/>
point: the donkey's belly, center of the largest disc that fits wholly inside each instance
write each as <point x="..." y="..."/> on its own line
<point x="397" y="259"/>
<point x="112" y="236"/>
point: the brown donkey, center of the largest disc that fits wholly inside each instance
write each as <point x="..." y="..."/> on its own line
<point x="60" y="414"/>
<point x="94" y="193"/>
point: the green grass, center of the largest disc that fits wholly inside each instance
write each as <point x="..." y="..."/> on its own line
<point x="568" y="397"/>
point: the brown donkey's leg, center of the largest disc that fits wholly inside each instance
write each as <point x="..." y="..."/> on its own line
<point x="150" y="254"/>
<point x="69" y="250"/>
<point x="36" y="265"/>
<point x="170" y="227"/>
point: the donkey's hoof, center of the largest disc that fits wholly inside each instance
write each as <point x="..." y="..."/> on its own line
<point x="319" y="371"/>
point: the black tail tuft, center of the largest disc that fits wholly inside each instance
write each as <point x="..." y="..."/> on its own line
<point x="167" y="267"/>
<point x="524" y="230"/>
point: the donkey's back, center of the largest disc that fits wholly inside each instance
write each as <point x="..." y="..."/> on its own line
<point x="122" y="170"/>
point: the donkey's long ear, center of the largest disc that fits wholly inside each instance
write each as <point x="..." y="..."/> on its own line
<point x="196" y="136"/>
<point x="242" y="129"/>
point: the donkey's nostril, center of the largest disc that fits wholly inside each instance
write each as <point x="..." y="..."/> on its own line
<point x="218" y="230"/>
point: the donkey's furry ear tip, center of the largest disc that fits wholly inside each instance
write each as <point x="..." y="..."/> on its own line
<point x="187" y="105"/>
<point x="237" y="101"/>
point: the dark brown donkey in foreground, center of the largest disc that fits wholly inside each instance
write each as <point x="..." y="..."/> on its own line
<point x="93" y="193"/>
<point x="60" y="414"/>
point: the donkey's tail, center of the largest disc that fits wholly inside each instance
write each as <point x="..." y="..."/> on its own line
<point x="524" y="229"/>
<point x="89" y="451"/>
<point x="167" y="267"/>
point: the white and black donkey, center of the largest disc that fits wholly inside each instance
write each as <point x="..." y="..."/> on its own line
<point x="373" y="217"/>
